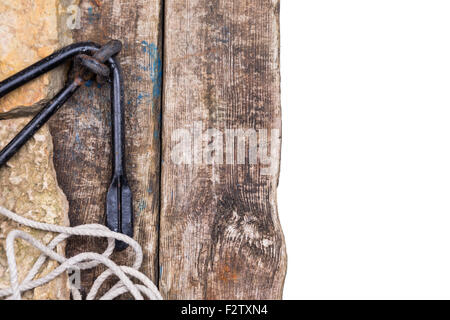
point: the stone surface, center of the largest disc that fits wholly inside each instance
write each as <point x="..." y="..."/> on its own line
<point x="29" y="31"/>
<point x="28" y="186"/>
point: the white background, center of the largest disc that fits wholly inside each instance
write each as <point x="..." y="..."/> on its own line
<point x="364" y="193"/>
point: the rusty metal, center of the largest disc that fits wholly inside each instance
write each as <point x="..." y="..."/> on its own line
<point x="95" y="64"/>
<point x="89" y="59"/>
<point x="92" y="64"/>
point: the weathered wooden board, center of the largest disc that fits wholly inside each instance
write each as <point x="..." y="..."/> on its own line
<point x="81" y="129"/>
<point x="220" y="236"/>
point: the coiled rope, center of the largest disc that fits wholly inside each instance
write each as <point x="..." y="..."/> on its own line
<point x="82" y="261"/>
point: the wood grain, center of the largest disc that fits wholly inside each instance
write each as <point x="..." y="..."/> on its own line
<point x="81" y="129"/>
<point x="220" y="235"/>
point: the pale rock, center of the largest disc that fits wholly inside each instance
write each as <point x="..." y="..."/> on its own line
<point x="29" y="31"/>
<point x="28" y="186"/>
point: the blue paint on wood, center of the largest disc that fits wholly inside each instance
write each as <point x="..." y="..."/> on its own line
<point x="154" y="67"/>
<point x="142" y="205"/>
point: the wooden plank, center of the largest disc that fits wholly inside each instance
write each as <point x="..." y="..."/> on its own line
<point x="220" y="235"/>
<point x="81" y="129"/>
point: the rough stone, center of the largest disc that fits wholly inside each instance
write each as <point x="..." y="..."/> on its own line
<point x="31" y="30"/>
<point x="28" y="186"/>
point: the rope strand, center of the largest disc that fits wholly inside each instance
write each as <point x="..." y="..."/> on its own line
<point x="82" y="261"/>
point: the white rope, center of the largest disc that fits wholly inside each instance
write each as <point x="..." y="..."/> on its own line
<point x="82" y="261"/>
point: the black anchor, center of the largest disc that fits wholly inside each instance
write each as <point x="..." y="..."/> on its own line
<point x="119" y="204"/>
